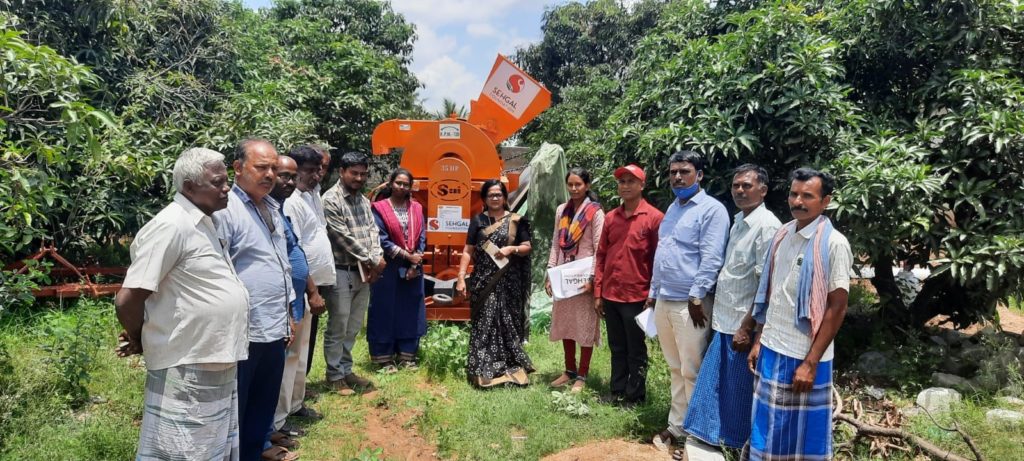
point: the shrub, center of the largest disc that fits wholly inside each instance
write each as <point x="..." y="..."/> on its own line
<point x="72" y="341"/>
<point x="569" y="403"/>
<point x="444" y="349"/>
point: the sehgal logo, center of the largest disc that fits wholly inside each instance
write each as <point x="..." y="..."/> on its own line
<point x="515" y="83"/>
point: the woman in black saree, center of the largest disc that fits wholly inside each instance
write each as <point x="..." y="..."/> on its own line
<point x="498" y="241"/>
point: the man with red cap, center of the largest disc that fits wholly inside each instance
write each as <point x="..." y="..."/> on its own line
<point x="625" y="255"/>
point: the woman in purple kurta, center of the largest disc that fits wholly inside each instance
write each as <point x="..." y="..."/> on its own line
<point x="397" y="316"/>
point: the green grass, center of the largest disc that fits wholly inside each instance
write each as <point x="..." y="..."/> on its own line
<point x="41" y="422"/>
<point x="466" y="423"/>
<point x="1015" y="305"/>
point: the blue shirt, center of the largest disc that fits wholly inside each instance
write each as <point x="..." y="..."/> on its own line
<point x="300" y="268"/>
<point x="261" y="261"/>
<point x="691" y="249"/>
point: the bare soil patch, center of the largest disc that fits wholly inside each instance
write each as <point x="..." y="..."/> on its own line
<point x="396" y="434"/>
<point x="610" y="450"/>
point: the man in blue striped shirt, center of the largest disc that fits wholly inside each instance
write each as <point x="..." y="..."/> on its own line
<point x="691" y="250"/>
<point x="252" y="228"/>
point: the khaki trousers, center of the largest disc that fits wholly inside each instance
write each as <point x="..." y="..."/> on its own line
<point x="683" y="346"/>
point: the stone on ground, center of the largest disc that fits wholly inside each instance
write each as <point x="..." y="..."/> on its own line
<point x="1000" y="416"/>
<point x="937" y="399"/>
<point x="953" y="381"/>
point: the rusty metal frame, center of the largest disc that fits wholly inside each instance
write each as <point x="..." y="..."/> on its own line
<point x="85" y="286"/>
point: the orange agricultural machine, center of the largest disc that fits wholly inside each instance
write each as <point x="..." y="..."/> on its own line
<point x="449" y="160"/>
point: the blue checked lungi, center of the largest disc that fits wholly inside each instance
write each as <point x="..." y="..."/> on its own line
<point x="785" y="425"/>
<point x="191" y="413"/>
<point x="719" y="413"/>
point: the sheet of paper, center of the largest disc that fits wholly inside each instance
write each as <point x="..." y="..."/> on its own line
<point x="646" y="321"/>
<point x="570" y="279"/>
<point x="362" y="273"/>
<point x="492" y="249"/>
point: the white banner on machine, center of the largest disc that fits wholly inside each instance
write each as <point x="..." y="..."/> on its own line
<point x="511" y="89"/>
<point x="569" y="279"/>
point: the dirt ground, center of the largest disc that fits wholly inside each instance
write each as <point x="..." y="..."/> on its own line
<point x="1012" y="321"/>
<point x="397" y="435"/>
<point x="610" y="450"/>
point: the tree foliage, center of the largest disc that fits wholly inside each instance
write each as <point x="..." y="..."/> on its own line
<point x="914" y="105"/>
<point x="99" y="98"/>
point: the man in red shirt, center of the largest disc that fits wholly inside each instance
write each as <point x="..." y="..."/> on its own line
<point x="622" y="277"/>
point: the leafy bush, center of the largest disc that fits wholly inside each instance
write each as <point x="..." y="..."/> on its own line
<point x="569" y="403"/>
<point x="72" y="340"/>
<point x="16" y="289"/>
<point x="369" y="454"/>
<point x="444" y="349"/>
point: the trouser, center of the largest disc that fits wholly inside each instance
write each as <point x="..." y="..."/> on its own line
<point x="629" y="350"/>
<point x="293" y="383"/>
<point x="569" y="350"/>
<point x="347" y="302"/>
<point x="314" y="327"/>
<point x="401" y="350"/>
<point x="259" y="383"/>
<point x="683" y="346"/>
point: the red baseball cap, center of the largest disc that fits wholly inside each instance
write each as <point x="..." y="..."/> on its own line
<point x="631" y="169"/>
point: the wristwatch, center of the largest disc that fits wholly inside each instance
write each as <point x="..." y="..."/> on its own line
<point x="695" y="301"/>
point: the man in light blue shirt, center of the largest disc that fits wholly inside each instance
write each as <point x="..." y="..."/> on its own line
<point x="253" y="231"/>
<point x="691" y="250"/>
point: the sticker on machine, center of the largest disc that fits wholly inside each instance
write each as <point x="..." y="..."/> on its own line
<point x="511" y="89"/>
<point x="449" y="131"/>
<point x="449" y="219"/>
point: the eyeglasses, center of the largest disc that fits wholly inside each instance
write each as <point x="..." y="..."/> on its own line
<point x="495" y="196"/>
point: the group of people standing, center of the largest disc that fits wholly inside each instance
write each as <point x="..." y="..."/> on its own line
<point x="745" y="313"/>
<point x="227" y="284"/>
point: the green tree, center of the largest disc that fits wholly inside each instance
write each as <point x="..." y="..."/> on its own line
<point x="914" y="105"/>
<point x="448" y="108"/>
<point x="942" y="83"/>
<point x="100" y="97"/>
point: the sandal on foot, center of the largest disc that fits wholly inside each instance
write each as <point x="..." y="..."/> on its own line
<point x="306" y="412"/>
<point x="562" y="380"/>
<point x="518" y="377"/>
<point x="664" y="441"/>
<point x="281" y="439"/>
<point x="276" y="453"/>
<point x="578" y="385"/>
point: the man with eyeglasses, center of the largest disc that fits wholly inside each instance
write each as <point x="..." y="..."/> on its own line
<point x="691" y="250"/>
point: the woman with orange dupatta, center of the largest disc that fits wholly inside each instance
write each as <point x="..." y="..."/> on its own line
<point x="397" y="316"/>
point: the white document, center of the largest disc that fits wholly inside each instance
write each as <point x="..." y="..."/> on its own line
<point x="571" y="278"/>
<point x="646" y="321"/>
<point x="492" y="249"/>
<point x="362" y="273"/>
